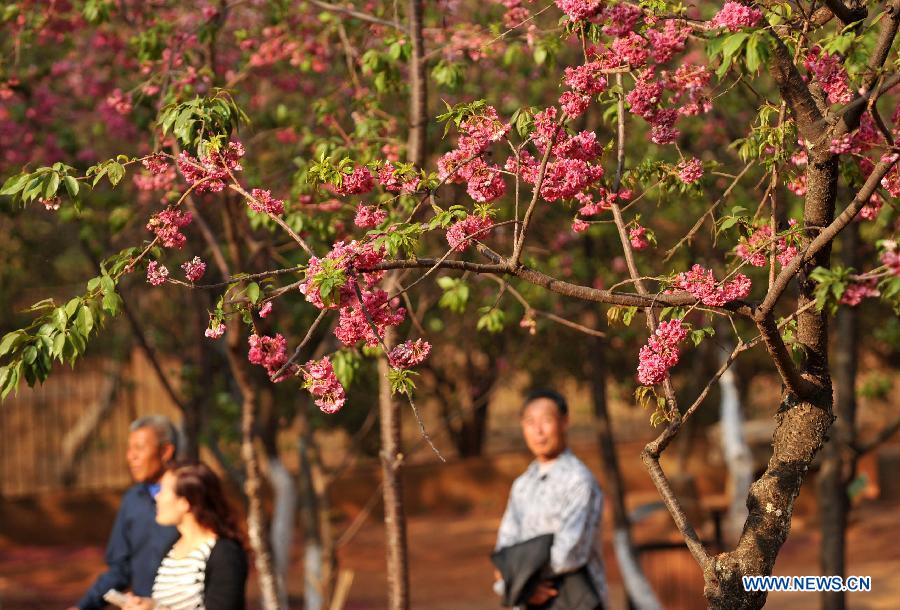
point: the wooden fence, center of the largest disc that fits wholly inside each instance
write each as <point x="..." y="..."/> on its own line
<point x="73" y="430"/>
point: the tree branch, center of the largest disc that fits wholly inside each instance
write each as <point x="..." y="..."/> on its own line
<point x="824" y="237"/>
<point x="343" y="10"/>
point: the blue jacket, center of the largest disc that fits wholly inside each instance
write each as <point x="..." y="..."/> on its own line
<point x="136" y="546"/>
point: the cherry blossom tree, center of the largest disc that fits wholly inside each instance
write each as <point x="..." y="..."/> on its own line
<point x="611" y="142"/>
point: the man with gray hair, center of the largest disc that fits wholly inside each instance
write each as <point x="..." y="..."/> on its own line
<point x="137" y="543"/>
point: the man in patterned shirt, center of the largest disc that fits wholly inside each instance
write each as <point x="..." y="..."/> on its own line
<point x="556" y="495"/>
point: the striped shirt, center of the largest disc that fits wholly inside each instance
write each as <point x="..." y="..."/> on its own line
<point x="180" y="581"/>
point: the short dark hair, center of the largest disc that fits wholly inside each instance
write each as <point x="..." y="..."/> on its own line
<point x="561" y="405"/>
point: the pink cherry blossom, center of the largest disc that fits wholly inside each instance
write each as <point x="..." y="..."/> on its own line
<point x="358" y="182"/>
<point x="167" y="224"/>
<point x="264" y="203"/>
<point x="214" y="332"/>
<point x="702" y="285"/>
<point x="476" y="227"/>
<point x="736" y="16"/>
<point x="156" y="163"/>
<point x="369" y="217"/>
<point x="856" y="292"/>
<point x="156" y="273"/>
<point x="689" y="171"/>
<point x="580" y="9"/>
<point x="661" y="352"/>
<point x="574" y="104"/>
<point x="580" y="226"/>
<point x="409" y="354"/>
<point x="320" y="380"/>
<point x="830" y="74"/>
<point x="637" y="237"/>
<point x="265" y="310"/>
<point x="194" y="269"/>
<point x="268" y="352"/>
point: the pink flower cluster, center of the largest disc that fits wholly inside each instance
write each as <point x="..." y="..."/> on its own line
<point x="409" y="354"/>
<point x="268" y="352"/>
<point x="320" y="380"/>
<point x="212" y="169"/>
<point x="369" y="216"/>
<point x="120" y="102"/>
<point x="891" y="258"/>
<point x="661" y="352"/>
<point x="606" y="199"/>
<point x="346" y="256"/>
<point x="265" y="310"/>
<point x="622" y="19"/>
<point x="167" y="225"/>
<point x="690" y="81"/>
<point x="194" y="269"/>
<point x="587" y="79"/>
<point x="689" y="171"/>
<point x="478" y="132"/>
<point x="755" y="248"/>
<point x="515" y="13"/>
<point x="702" y="284"/>
<point x="156" y="273"/>
<point x="830" y="74"/>
<point x="638" y="238"/>
<point x="458" y="235"/>
<point x="394" y="183"/>
<point x="353" y="323"/>
<point x="855" y="293"/>
<point x="736" y="16"/>
<point x="264" y="203"/>
<point x="574" y="104"/>
<point x="214" y="332"/>
<point x="156" y="163"/>
<point x="580" y="9"/>
<point x="580" y="226"/>
<point x="668" y="41"/>
<point x="358" y="182"/>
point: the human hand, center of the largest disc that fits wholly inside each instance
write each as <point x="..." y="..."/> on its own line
<point x="543" y="593"/>
<point x="139" y="603"/>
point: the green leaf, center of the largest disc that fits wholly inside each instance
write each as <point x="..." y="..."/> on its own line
<point x="10" y="340"/>
<point x="71" y="186"/>
<point x="115" y="173"/>
<point x="85" y="321"/>
<point x="51" y="186"/>
<point x="253" y="292"/>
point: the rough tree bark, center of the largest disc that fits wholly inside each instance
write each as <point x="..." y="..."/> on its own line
<point x="391" y="460"/>
<point x="805" y="414"/>
<point x="418" y="103"/>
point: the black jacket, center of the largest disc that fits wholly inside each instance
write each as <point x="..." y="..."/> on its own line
<point x="226" y="576"/>
<point x="136" y="546"/>
<point x="523" y="566"/>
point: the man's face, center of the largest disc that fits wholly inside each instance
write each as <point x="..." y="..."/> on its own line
<point x="544" y="428"/>
<point x="145" y="456"/>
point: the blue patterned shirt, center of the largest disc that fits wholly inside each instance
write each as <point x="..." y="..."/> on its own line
<point x="564" y="500"/>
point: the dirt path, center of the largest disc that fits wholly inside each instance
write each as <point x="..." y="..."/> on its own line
<point x="450" y="569"/>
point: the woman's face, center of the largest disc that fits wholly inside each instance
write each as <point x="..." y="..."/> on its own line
<point x="170" y="507"/>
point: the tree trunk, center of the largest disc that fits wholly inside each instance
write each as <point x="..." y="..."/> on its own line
<point x="738" y="459"/>
<point x="391" y="458"/>
<point x="801" y="425"/>
<point x="418" y="84"/>
<point x="256" y="526"/>
<point x="832" y="481"/>
<point x="284" y="513"/>
<point x="638" y="589"/>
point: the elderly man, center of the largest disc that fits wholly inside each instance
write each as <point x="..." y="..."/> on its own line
<point x="137" y="544"/>
<point x="556" y="495"/>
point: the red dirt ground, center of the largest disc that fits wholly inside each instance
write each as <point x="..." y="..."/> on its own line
<point x="450" y="570"/>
